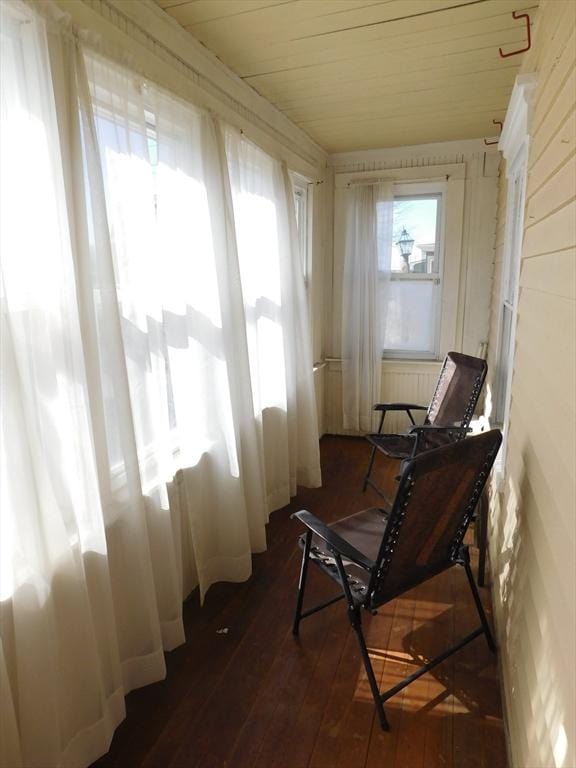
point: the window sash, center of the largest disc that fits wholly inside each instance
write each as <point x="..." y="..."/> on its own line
<point x="510" y="282"/>
<point x="431" y="350"/>
<point x="301" y="207"/>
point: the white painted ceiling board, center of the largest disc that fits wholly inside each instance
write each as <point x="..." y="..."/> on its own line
<point x="356" y="74"/>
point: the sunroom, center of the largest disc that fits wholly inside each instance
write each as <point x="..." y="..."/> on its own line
<point x="229" y="229"/>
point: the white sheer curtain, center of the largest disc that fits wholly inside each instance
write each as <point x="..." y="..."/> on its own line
<point x="276" y="318"/>
<point x="367" y="254"/>
<point x="132" y="462"/>
<point x="182" y="329"/>
<point x="63" y="687"/>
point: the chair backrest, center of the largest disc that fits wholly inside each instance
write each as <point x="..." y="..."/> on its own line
<point x="436" y="498"/>
<point x="457" y="390"/>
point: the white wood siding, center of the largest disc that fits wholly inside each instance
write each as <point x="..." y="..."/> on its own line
<point x="532" y="543"/>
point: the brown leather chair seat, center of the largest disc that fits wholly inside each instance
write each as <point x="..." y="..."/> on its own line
<point x="364" y="530"/>
<point x="400" y="446"/>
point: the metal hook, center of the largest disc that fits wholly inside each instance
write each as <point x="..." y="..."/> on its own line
<point x="516" y="15"/>
<point x="496" y="122"/>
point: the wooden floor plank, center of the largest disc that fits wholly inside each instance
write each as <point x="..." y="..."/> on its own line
<point x="324" y="754"/>
<point x="395" y="666"/>
<point x="437" y="713"/>
<point x="297" y="742"/>
<point x="233" y="697"/>
<point x="257" y="697"/>
<point x="410" y="749"/>
<point x="281" y="692"/>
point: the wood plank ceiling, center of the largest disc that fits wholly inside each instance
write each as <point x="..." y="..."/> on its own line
<point x="362" y="74"/>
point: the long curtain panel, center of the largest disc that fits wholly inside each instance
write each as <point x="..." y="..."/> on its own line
<point x="133" y="449"/>
<point x="62" y="691"/>
<point x="276" y="318"/>
<point x="185" y="349"/>
<point x="367" y="249"/>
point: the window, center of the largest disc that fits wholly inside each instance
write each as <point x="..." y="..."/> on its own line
<point x="151" y="137"/>
<point x="508" y="294"/>
<point x="301" y="205"/>
<point x="514" y="143"/>
<point x="422" y="301"/>
<point x="411" y="284"/>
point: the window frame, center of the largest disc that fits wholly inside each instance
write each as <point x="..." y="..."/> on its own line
<point x="301" y="191"/>
<point x="515" y="146"/>
<point x="452" y="176"/>
<point x="412" y="191"/>
<point x="509" y="287"/>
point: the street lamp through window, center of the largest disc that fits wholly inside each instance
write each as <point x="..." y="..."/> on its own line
<point x="405" y="243"/>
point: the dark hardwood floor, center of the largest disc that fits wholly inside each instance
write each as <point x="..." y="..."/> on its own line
<point x="256" y="697"/>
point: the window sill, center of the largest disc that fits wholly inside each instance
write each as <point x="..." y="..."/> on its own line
<point x="395" y="365"/>
<point x="409" y="359"/>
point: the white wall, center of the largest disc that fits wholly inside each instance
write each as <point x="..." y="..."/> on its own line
<point x="473" y="168"/>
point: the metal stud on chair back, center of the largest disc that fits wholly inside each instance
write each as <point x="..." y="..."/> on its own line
<point x="377" y="555"/>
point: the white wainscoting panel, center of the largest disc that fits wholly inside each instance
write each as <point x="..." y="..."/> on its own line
<point x="402" y="381"/>
<point x="319" y="387"/>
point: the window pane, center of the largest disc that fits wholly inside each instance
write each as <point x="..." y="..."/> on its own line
<point x="503" y="363"/>
<point x="301" y="207"/>
<point x="415" y="240"/>
<point x="511" y="272"/>
<point x="409" y="315"/>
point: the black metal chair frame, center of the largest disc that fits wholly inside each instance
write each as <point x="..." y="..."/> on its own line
<point x="420" y="432"/>
<point x="341" y="550"/>
<point x="453" y="432"/>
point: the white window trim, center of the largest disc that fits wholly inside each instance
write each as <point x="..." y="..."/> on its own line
<point x="451" y="179"/>
<point x="514" y="145"/>
<point x="303" y="185"/>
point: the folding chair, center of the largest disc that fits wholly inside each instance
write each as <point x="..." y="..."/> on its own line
<point x="376" y="555"/>
<point x="447" y="417"/>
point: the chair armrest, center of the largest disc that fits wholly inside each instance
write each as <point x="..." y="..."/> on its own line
<point x="335" y="542"/>
<point x="398" y="407"/>
<point x="408" y="407"/>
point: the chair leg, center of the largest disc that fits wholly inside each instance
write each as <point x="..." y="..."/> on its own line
<point x="356" y="621"/>
<point x="302" y="583"/>
<point x="369" y="470"/>
<point x="479" y="606"/>
<point x="373" y="454"/>
<point x="482" y="523"/>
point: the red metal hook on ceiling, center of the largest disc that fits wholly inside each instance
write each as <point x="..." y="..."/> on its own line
<point x="516" y="15"/>
<point x="496" y="122"/>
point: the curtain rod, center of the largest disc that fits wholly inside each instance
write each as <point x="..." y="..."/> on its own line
<point x="383" y="179"/>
